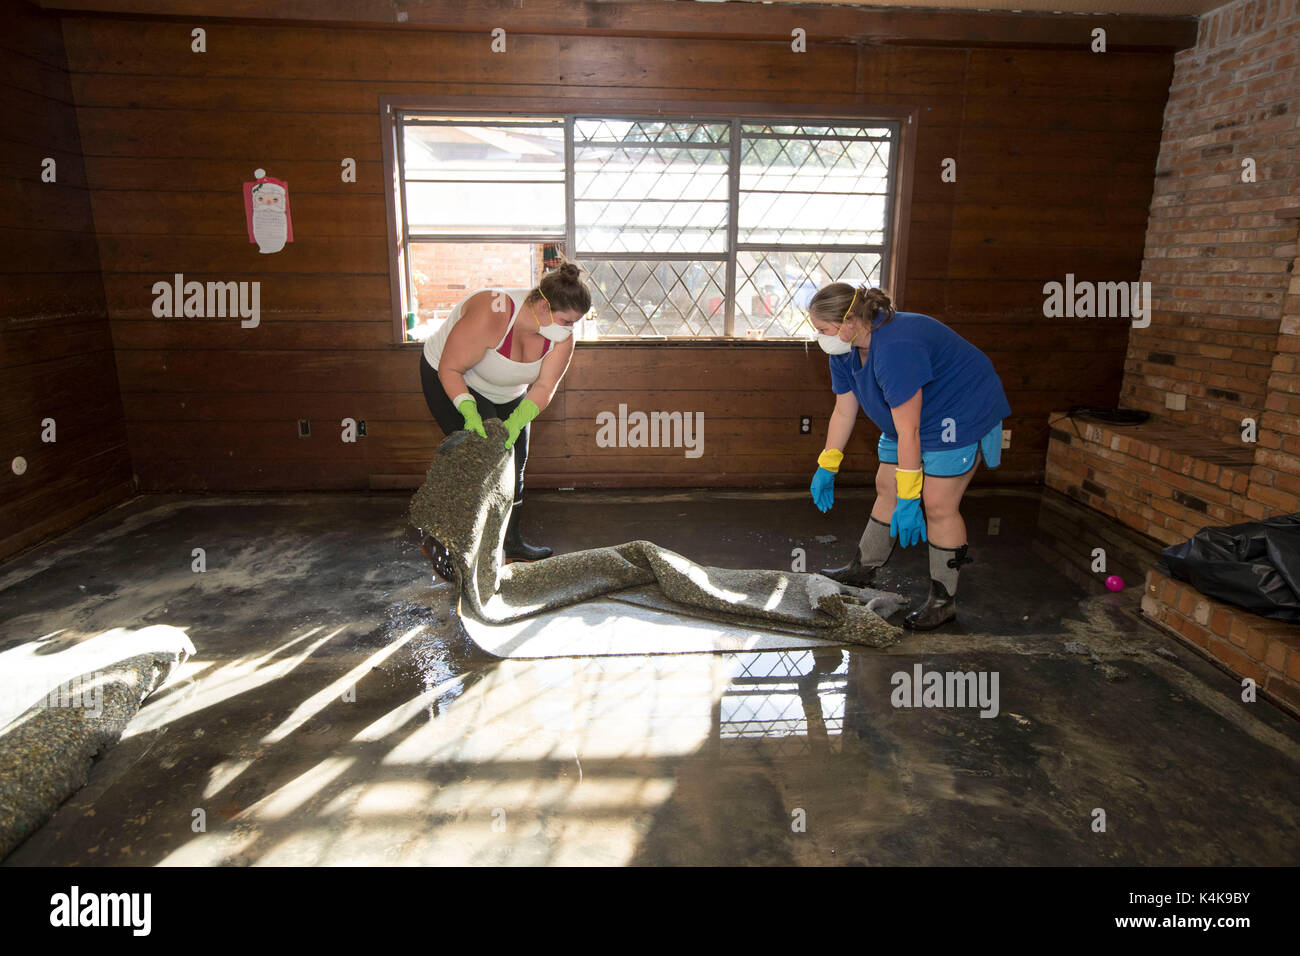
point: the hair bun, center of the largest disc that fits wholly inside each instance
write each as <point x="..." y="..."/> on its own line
<point x="564" y="289"/>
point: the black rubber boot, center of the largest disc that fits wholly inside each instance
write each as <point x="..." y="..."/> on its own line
<point x="516" y="549"/>
<point x="439" y="557"/>
<point x="940" y="608"/>
<point x="854" y="574"/>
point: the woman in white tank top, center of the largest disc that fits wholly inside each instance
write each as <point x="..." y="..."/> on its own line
<point x="501" y="353"/>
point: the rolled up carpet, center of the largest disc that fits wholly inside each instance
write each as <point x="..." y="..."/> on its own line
<point x="464" y="503"/>
<point x="47" y="749"/>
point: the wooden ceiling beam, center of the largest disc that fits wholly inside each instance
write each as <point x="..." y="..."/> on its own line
<point x="733" y="20"/>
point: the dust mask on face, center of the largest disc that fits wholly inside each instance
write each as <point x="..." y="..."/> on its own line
<point x="833" y="344"/>
<point x="555" y="332"/>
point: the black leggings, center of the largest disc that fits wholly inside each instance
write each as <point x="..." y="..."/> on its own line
<point x="450" y="420"/>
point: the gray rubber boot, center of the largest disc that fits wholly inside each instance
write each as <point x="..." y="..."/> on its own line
<point x="874" y="549"/>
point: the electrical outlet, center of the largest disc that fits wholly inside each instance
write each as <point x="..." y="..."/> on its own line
<point x="805" y="425"/>
<point x="304" y="428"/>
<point x="1006" y="439"/>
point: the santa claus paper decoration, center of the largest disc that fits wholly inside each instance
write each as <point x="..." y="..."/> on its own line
<point x="266" y="209"/>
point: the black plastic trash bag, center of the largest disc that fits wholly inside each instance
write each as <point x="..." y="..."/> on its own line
<point x="1254" y="565"/>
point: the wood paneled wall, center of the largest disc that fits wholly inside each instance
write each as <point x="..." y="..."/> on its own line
<point x="56" y="352"/>
<point x="1055" y="152"/>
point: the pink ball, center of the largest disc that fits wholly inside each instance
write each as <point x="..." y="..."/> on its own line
<point x="1115" y="583"/>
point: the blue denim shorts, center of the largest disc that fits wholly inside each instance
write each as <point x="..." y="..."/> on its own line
<point x="950" y="462"/>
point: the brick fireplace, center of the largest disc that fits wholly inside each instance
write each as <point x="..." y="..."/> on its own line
<point x="1178" y="473"/>
<point x="1218" y="367"/>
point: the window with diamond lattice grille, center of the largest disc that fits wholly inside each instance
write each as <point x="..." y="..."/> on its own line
<point x="694" y="228"/>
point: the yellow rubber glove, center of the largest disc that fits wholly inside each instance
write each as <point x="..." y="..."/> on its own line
<point x="830" y="459"/>
<point x="909" y="482"/>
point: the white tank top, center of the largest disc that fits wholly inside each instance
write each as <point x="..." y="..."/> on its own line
<point x="493" y="376"/>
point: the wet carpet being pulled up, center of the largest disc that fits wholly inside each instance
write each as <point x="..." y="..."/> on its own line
<point x="465" y="502"/>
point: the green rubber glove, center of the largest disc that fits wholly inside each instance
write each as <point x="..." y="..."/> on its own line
<point x="524" y="413"/>
<point x="469" y="409"/>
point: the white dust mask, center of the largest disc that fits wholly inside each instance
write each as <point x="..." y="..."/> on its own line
<point x="833" y="344"/>
<point x="552" y="331"/>
<point x="556" y="332"/>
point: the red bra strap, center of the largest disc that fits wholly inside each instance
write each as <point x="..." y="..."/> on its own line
<point x="510" y="334"/>
<point x="504" y="347"/>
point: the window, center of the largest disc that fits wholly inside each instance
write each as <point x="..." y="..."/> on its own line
<point x="688" y="227"/>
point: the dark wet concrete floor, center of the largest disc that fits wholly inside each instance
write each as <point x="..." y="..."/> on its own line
<point x="334" y="714"/>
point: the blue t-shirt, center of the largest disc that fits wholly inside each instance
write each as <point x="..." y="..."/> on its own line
<point x="912" y="351"/>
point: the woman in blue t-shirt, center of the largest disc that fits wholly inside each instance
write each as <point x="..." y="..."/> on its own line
<point x="939" y="406"/>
